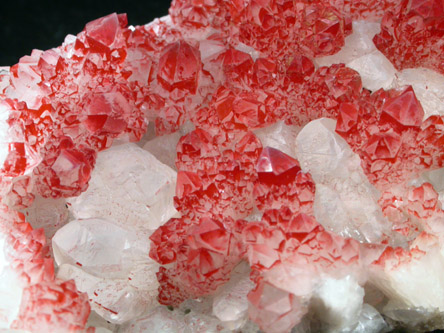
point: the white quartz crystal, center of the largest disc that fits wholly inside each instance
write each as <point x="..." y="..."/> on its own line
<point x="160" y="320"/>
<point x="375" y="69"/>
<point x="100" y="247"/>
<point x="113" y="299"/>
<point x="369" y="321"/>
<point x="345" y="202"/>
<point x="180" y="320"/>
<point x="416" y="281"/>
<point x="164" y="147"/>
<point x="434" y="177"/>
<point x="100" y="325"/>
<point x="109" y="263"/>
<point x="129" y="186"/>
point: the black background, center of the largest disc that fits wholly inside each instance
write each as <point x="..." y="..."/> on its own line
<point x="33" y="24"/>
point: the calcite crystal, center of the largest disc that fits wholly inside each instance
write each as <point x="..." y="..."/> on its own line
<point x="236" y="166"/>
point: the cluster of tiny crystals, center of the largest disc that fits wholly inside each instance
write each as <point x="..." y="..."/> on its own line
<point x="235" y="166"/>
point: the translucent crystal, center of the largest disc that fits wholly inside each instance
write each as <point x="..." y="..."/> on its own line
<point x="405" y="277"/>
<point x="230" y="305"/>
<point x="279" y="136"/>
<point x="100" y="247"/>
<point x="345" y="201"/>
<point x="375" y="69"/>
<point x="49" y="214"/>
<point x="110" y="263"/>
<point x="181" y="320"/>
<point x="360" y="53"/>
<point x="129" y="186"/>
<point x="113" y="299"/>
<point x="308" y="172"/>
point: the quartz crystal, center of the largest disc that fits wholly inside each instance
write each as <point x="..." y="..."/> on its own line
<point x="235" y="166"/>
<point x="138" y="194"/>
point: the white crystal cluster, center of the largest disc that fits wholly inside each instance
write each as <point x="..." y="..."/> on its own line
<point x="105" y="248"/>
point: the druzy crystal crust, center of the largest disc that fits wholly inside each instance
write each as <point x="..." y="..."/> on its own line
<point x="236" y="166"/>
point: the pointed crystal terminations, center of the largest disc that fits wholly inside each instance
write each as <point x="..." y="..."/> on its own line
<point x="238" y="165"/>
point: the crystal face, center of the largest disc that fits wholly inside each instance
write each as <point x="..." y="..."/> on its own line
<point x="236" y="166"/>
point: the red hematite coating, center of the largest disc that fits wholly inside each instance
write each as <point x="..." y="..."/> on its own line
<point x="412" y="34"/>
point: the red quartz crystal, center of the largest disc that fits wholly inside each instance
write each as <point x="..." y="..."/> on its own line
<point x="281" y="183"/>
<point x="412" y="34"/>
<point x="387" y="131"/>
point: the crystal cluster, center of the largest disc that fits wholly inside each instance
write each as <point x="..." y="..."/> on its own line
<point x="236" y="166"/>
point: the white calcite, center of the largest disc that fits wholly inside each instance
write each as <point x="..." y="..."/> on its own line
<point x="428" y="86"/>
<point x="47" y="213"/>
<point x="375" y="69"/>
<point x="230" y="305"/>
<point x="129" y="186"/>
<point x="279" y="136"/>
<point x="345" y="202"/>
<point x="109" y="263"/>
<point x="113" y="299"/>
<point x="338" y="303"/>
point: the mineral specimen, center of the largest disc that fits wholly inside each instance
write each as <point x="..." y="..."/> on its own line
<point x="235" y="166"/>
